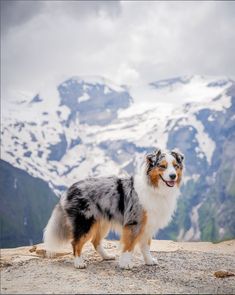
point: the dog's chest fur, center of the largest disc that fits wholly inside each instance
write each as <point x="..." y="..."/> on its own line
<point x="159" y="204"/>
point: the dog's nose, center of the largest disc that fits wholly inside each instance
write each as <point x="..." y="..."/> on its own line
<point x="172" y="176"/>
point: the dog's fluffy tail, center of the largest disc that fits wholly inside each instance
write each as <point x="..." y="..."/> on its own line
<point x="57" y="232"/>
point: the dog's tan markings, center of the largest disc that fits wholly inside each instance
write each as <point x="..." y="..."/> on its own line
<point x="154" y="177"/>
<point x="129" y="237"/>
<point x="149" y="242"/>
<point x="179" y="176"/>
<point x="178" y="169"/>
<point x="78" y="244"/>
<point x="102" y="228"/>
<point x="155" y="173"/>
<point x="163" y="163"/>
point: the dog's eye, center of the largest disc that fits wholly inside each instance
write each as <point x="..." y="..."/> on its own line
<point x="176" y="166"/>
<point x="162" y="166"/>
<point x="152" y="164"/>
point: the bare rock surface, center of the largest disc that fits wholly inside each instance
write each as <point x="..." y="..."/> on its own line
<point x="187" y="267"/>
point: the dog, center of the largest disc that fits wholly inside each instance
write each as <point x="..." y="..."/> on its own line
<point x="139" y="206"/>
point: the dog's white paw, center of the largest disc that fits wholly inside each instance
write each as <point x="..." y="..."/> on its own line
<point x="126" y="265"/>
<point x="151" y="261"/>
<point x="79" y="263"/>
<point x="108" y="257"/>
<point x="104" y="254"/>
<point x="125" y="260"/>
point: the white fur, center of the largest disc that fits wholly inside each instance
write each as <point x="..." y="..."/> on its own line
<point x="170" y="168"/>
<point x="79" y="263"/>
<point x="159" y="203"/>
<point x="125" y="260"/>
<point x="52" y="242"/>
<point x="57" y="232"/>
<point x="104" y="254"/>
<point x="149" y="260"/>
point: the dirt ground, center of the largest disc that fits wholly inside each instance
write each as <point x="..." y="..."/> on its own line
<point x="183" y="268"/>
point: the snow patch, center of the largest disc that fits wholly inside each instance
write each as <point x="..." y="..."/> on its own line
<point x="194" y="233"/>
<point x="211" y="118"/>
<point x="106" y="90"/>
<point x="206" y="144"/>
<point x="99" y="80"/>
<point x="84" y="97"/>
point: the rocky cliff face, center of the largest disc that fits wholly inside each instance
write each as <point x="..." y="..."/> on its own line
<point x="26" y="205"/>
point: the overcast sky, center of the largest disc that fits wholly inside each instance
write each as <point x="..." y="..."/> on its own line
<point x="127" y="42"/>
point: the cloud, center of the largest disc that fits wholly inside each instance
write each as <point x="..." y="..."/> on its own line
<point x="17" y="13"/>
<point x="128" y="42"/>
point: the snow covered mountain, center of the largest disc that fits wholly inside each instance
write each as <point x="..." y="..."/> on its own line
<point x="88" y="126"/>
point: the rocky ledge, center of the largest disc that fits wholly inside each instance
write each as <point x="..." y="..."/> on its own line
<point x="187" y="267"/>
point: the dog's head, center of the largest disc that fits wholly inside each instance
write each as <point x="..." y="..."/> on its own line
<point x="165" y="167"/>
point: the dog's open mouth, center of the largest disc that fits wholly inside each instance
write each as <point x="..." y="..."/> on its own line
<point x="169" y="183"/>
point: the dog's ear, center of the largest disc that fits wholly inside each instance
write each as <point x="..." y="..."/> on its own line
<point x="157" y="152"/>
<point x="153" y="158"/>
<point x="178" y="156"/>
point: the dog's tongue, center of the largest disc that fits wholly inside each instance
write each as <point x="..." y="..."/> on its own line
<point x="170" y="183"/>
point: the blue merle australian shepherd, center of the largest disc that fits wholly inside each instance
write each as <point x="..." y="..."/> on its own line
<point x="138" y="206"/>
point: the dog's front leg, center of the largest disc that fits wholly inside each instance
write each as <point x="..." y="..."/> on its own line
<point x="145" y="249"/>
<point x="128" y="241"/>
<point x="125" y="260"/>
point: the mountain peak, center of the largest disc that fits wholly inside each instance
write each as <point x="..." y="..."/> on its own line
<point x="95" y="79"/>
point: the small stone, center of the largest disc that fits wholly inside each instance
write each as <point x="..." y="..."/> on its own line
<point x="33" y="249"/>
<point x="223" y="274"/>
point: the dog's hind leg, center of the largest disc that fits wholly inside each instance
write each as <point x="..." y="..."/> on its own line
<point x="83" y="232"/>
<point x="77" y="249"/>
<point x="101" y="231"/>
